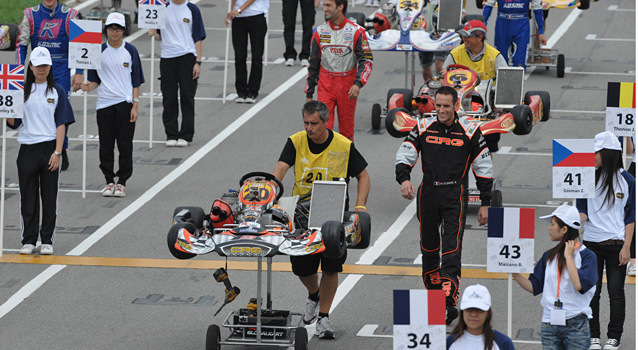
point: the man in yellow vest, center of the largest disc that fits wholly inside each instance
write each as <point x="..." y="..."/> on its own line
<point x="318" y="153"/>
<point x="479" y="56"/>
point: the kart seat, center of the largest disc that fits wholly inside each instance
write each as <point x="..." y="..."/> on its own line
<point x="288" y="204"/>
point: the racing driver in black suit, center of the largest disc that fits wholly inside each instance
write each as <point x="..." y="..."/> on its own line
<point x="448" y="146"/>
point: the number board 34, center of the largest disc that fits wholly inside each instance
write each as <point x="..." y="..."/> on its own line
<point x="419" y="319"/>
<point x="152" y="14"/>
<point x="510" y="240"/>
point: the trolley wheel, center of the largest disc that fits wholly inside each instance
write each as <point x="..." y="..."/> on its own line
<point x="497" y="199"/>
<point x="213" y="337"/>
<point x="479" y="4"/>
<point x="546" y="67"/>
<point x="376" y="116"/>
<point x="584" y="4"/>
<point x="560" y="65"/>
<point x="301" y="338"/>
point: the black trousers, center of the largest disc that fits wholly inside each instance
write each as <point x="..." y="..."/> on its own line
<point x="445" y="207"/>
<point x="114" y="125"/>
<point x="37" y="182"/>
<point x="253" y="28"/>
<point x="177" y="74"/>
<point x="289" y="14"/>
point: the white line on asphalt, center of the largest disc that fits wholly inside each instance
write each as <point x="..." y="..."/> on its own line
<point x="105" y="229"/>
<point x="615" y="8"/>
<point x="576" y="111"/>
<point x="598" y="73"/>
<point x="593" y="37"/>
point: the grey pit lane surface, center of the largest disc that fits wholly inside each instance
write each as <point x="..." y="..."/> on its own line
<point x="96" y="308"/>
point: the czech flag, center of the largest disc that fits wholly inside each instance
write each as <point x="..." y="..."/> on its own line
<point x="85" y="32"/>
<point x="419" y="307"/>
<point x="573" y="153"/>
<point x="511" y="223"/>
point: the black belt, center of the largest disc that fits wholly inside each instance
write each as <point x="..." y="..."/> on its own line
<point x="611" y="242"/>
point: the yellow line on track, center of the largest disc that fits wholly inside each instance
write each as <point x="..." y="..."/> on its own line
<point x="385" y="270"/>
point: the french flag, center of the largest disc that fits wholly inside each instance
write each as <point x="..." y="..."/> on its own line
<point x="515" y="223"/>
<point x="573" y="153"/>
<point x="419" y="307"/>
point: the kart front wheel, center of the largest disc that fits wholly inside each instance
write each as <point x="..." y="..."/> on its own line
<point x="523" y="119"/>
<point x="334" y="239"/>
<point x="171" y="239"/>
<point x="376" y="116"/>
<point x="394" y="114"/>
<point x="301" y="338"/>
<point x="196" y="216"/>
<point x="545" y="99"/>
<point x="213" y="337"/>
<point x="365" y="226"/>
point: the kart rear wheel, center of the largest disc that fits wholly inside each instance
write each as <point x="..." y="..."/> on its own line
<point x="357" y="17"/>
<point x="334" y="239"/>
<point x="213" y="337"/>
<point x="545" y="99"/>
<point x="389" y="121"/>
<point x="301" y="338"/>
<point x="479" y="4"/>
<point x="560" y="65"/>
<point x="523" y="119"/>
<point x="584" y="4"/>
<point x="376" y="116"/>
<point x="407" y="97"/>
<point x="197" y="215"/>
<point x="365" y="223"/>
<point x="171" y="238"/>
<point x="13" y="36"/>
<point x="497" y="199"/>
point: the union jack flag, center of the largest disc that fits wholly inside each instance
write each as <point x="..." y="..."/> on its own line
<point x="152" y="2"/>
<point x="11" y="77"/>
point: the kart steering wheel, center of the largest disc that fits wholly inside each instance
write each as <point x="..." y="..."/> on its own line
<point x="267" y="176"/>
<point x="460" y="66"/>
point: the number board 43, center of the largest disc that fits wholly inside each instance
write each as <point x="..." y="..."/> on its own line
<point x="419" y="319"/>
<point x="152" y="14"/>
<point x="621" y="109"/>
<point x="11" y="90"/>
<point x="510" y="240"/>
<point x="85" y="44"/>
<point x="573" y="168"/>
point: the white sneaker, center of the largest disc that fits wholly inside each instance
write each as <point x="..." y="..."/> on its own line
<point x="305" y="63"/>
<point x="251" y="99"/>
<point x="46" y="249"/>
<point x="631" y="268"/>
<point x="27" y="249"/>
<point x="181" y="143"/>
<point x="324" y="329"/>
<point x="311" y="311"/>
<point x="595" y="344"/>
<point x="290" y="62"/>
<point x="120" y="191"/>
<point x="612" y="344"/>
<point x="240" y="99"/>
<point x="368" y="3"/>
<point x="375" y="3"/>
<point x="171" y="143"/>
<point x="108" y="190"/>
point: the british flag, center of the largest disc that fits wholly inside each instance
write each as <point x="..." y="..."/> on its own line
<point x="11" y="77"/>
<point x="152" y="2"/>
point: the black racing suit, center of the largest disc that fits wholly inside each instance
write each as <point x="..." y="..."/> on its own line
<point x="447" y="153"/>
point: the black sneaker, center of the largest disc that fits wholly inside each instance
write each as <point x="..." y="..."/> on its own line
<point x="251" y="98"/>
<point x="65" y="161"/>
<point x="451" y="313"/>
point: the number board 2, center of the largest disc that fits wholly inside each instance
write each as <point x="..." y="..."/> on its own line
<point x="621" y="109"/>
<point x="510" y="240"/>
<point x="419" y="319"/>
<point x="11" y="90"/>
<point x="573" y="168"/>
<point x="152" y="14"/>
<point x="85" y="44"/>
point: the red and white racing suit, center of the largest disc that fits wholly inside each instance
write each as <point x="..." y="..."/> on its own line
<point x="340" y="57"/>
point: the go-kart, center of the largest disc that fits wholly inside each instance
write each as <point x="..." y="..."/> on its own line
<point x="255" y="222"/>
<point x="478" y="102"/>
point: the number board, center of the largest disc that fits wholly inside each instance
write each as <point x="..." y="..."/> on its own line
<point x="11" y="90"/>
<point x="419" y="319"/>
<point x="152" y="14"/>
<point x="85" y="44"/>
<point x="621" y="109"/>
<point x="510" y="240"/>
<point x="573" y="168"/>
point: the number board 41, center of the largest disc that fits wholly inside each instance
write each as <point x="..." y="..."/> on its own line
<point x="510" y="240"/>
<point x="573" y="168"/>
<point x="152" y="14"/>
<point x="419" y="319"/>
<point x="621" y="109"/>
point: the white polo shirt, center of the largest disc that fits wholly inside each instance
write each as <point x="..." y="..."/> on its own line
<point x="184" y="27"/>
<point x="43" y="112"/>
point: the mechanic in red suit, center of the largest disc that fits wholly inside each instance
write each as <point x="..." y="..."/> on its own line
<point x="449" y="145"/>
<point x="340" y="64"/>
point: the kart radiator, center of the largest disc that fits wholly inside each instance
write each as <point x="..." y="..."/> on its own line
<point x="327" y="203"/>
<point x="509" y="87"/>
<point x="449" y="15"/>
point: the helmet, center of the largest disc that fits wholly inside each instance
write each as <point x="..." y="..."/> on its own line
<point x="280" y="216"/>
<point x="221" y="214"/>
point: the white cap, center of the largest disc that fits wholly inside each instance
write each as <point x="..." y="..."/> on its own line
<point x="608" y="140"/>
<point x="476" y="296"/>
<point x="567" y="214"/>
<point x="115" y="18"/>
<point x="40" y="56"/>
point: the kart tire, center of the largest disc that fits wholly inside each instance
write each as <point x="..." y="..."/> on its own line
<point x="468" y="18"/>
<point x="584" y="4"/>
<point x="213" y="337"/>
<point x="523" y="119"/>
<point x="13" y="36"/>
<point x="357" y="17"/>
<point x="479" y="4"/>
<point x="560" y="65"/>
<point x="171" y="238"/>
<point x="366" y="227"/>
<point x="376" y="116"/>
<point x="334" y="239"/>
<point x="196" y="217"/>
<point x="407" y="97"/>
<point x="497" y="199"/>
<point x="389" y="120"/>
<point x="544" y="95"/>
<point x="301" y="338"/>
